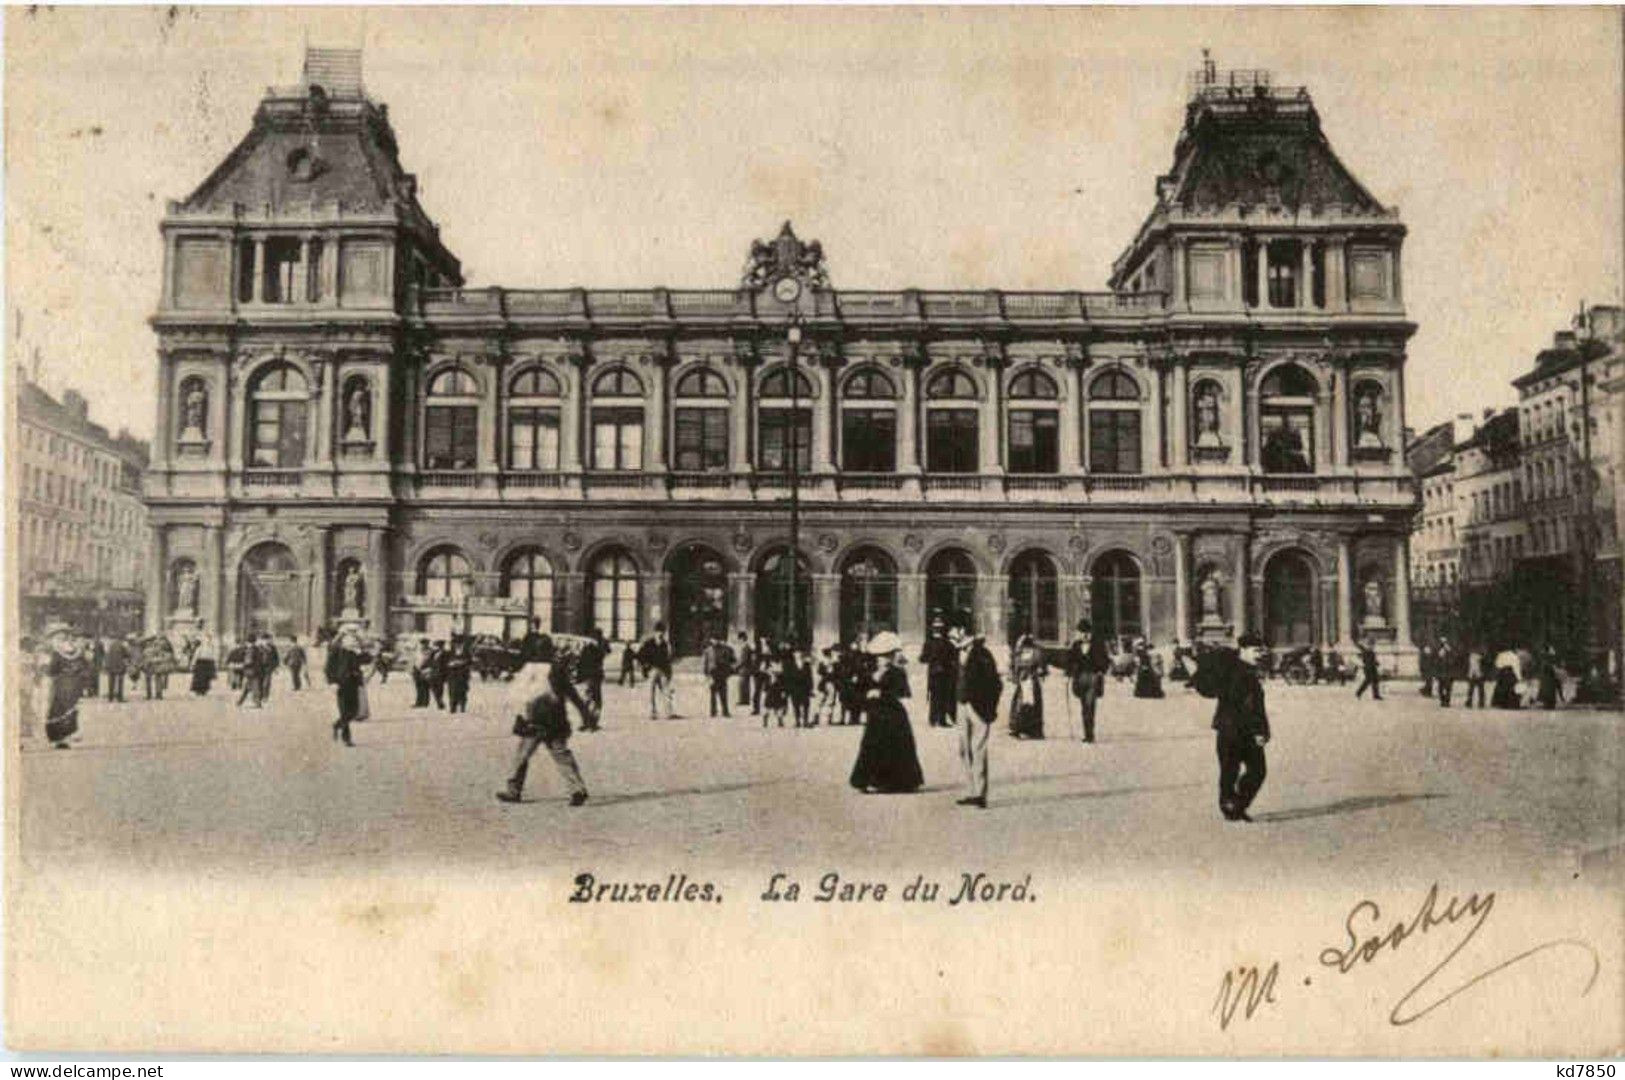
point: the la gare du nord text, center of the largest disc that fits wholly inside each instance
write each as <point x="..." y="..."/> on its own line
<point x="831" y="888"/>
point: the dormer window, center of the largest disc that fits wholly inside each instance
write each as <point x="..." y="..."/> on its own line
<point x="1283" y="275"/>
<point x="282" y="277"/>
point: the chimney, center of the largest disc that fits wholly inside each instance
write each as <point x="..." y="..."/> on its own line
<point x="1563" y="339"/>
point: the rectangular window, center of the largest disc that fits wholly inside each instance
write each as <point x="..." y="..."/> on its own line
<point x="282" y="276"/>
<point x="1283" y="281"/>
<point x="869" y="440"/>
<point x="701" y="440"/>
<point x="1114" y="440"/>
<point x="773" y="432"/>
<point x="951" y="441"/>
<point x="617" y="439"/>
<point x="278" y="434"/>
<point x="313" y="273"/>
<point x="451" y="436"/>
<point x="1033" y="440"/>
<point x="533" y="439"/>
<point x="245" y="271"/>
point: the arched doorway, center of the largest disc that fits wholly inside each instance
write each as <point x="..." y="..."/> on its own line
<point x="1114" y="596"/>
<point x="868" y="593"/>
<point x="443" y="578"/>
<point x="699" y="598"/>
<point x="1034" y="597"/>
<point x="950" y="584"/>
<point x="1289" y="601"/>
<point x="271" y="592"/>
<point x="784" y="597"/>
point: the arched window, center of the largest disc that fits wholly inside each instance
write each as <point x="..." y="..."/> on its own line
<point x="613" y="585"/>
<point x="952" y="424"/>
<point x="1286" y="421"/>
<point x="868" y="594"/>
<point x="527" y="576"/>
<point x="1034" y="597"/>
<point x="950" y="584"/>
<point x="700" y="422"/>
<point x="451" y="421"/>
<point x="443" y="574"/>
<point x="784" y="596"/>
<point x="1034" y="423"/>
<point x="617" y="421"/>
<point x="869" y="429"/>
<point x="1114" y="424"/>
<point x="783" y="423"/>
<point x="1115" y="595"/>
<point x="533" y="420"/>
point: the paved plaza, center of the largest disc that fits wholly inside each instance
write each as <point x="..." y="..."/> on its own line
<point x="1390" y="788"/>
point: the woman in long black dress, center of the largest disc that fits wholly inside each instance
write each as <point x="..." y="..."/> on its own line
<point x="1147" y="680"/>
<point x="1027" y="670"/>
<point x="887" y="761"/>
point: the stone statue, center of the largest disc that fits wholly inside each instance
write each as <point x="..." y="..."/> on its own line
<point x="1368" y="420"/>
<point x="356" y="428"/>
<point x="186" y="592"/>
<point x="1210" y="598"/>
<point x="351" y="589"/>
<point x="1373" y="602"/>
<point x="193" y="409"/>
<point x="1207" y="418"/>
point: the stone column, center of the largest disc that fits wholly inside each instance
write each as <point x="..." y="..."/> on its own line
<point x="1336" y="274"/>
<point x="1345" y="593"/>
<point x="1339" y="412"/>
<point x="908" y="408"/>
<point x="232" y="437"/>
<point x="826" y="608"/>
<point x="322" y="595"/>
<point x="383" y="412"/>
<point x="167" y="429"/>
<point x="301" y="288"/>
<point x="1242" y="585"/>
<point x="377" y="579"/>
<point x="1263" y="269"/>
<point x="489" y="458"/>
<point x="1236" y="268"/>
<point x="991" y="618"/>
<point x="1151" y="433"/>
<point x="654" y="441"/>
<point x="1306" y="296"/>
<point x="1179" y="452"/>
<point x="1180" y="292"/>
<point x="570" y="602"/>
<point x="991" y="451"/>
<point x="911" y="606"/>
<point x="214" y="547"/>
<point x="258" y="279"/>
<point x="570" y="418"/>
<point x="823" y="442"/>
<point x="1070" y="420"/>
<point x="1182" y="586"/>
<point x="1325" y="408"/>
<point x="157" y="579"/>
<point x="655" y="588"/>
<point x="1402" y="591"/>
<point x="742" y="589"/>
<point x="323" y="407"/>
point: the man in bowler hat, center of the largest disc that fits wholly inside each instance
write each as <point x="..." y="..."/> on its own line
<point x="1239" y="720"/>
<point x="1087" y="662"/>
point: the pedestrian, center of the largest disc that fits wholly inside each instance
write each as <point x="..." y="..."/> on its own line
<point x="1371" y="676"/>
<point x="1475" y="675"/>
<point x="1240" y="722"/>
<point x="250" y="668"/>
<point x="1546" y="679"/>
<point x="888" y="761"/>
<point x="436" y="672"/>
<point x="1087" y="662"/>
<point x="544" y="721"/>
<point x="421" y="658"/>
<point x="655" y="656"/>
<point x="941" y="662"/>
<point x="978" y="690"/>
<point x="1505" y="695"/>
<point x="97" y="657"/>
<point x="459" y="668"/>
<point x="798" y="687"/>
<point x="346" y="671"/>
<point x="268" y="661"/>
<point x="758" y="690"/>
<point x="1147" y="679"/>
<point x="1444" y="670"/>
<point x="590" y="673"/>
<point x="116" y="663"/>
<point x="204" y="658"/>
<point x="1027" y="671"/>
<point x="383" y="662"/>
<point x="66" y="671"/>
<point x="718" y="665"/>
<point x="745" y="661"/>
<point x="156" y="661"/>
<point x="236" y="658"/>
<point x="629" y="665"/>
<point x="828" y="699"/>
<point x="295" y="661"/>
<point x="1427" y="666"/>
<point x="774" y="698"/>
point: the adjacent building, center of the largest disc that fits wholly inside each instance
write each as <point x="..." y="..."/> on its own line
<point x="81" y="542"/>
<point x="349" y="432"/>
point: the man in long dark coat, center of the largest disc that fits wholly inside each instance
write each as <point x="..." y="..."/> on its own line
<point x="941" y="662"/>
<point x="1087" y="662"/>
<point x="977" y="693"/>
<point x="1240" y="722"/>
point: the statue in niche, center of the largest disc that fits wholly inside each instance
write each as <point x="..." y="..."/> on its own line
<point x="1210" y="598"/>
<point x="186" y="592"/>
<point x="356" y="406"/>
<point x="1207" y="417"/>
<point x="194" y="408"/>
<point x="1373" y="602"/>
<point x="1368" y="419"/>
<point x="351" y="589"/>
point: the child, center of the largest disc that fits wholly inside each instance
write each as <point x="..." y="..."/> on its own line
<point x="773" y="699"/>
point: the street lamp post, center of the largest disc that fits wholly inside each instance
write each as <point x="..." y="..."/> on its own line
<point x="787" y="290"/>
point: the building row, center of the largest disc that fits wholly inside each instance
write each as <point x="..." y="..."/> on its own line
<point x="1517" y="535"/>
<point x="81" y="543"/>
<point x="349" y="432"/>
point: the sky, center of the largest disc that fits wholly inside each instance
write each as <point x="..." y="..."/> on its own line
<point x="932" y="148"/>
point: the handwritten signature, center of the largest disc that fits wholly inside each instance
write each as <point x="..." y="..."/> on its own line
<point x="1429" y="915"/>
<point x="1246" y="990"/>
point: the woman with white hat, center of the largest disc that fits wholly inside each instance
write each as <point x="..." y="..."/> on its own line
<point x="887" y="760"/>
<point x="64" y="670"/>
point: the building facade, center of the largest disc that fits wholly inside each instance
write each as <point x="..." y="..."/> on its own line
<point x="81" y="524"/>
<point x="1212" y="444"/>
<point x="1435" y="539"/>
